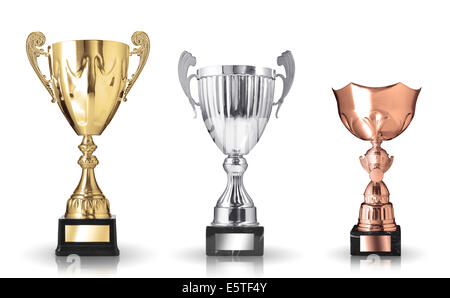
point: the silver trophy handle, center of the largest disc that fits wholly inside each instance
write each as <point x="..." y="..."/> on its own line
<point x="287" y="60"/>
<point x="187" y="60"/>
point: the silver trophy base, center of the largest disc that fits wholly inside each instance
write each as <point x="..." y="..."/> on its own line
<point x="234" y="240"/>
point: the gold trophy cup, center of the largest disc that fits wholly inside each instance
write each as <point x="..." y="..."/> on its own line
<point x="88" y="80"/>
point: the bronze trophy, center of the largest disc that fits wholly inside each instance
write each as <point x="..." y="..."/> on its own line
<point x="376" y="115"/>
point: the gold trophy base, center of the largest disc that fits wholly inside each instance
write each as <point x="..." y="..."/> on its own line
<point x="87" y="237"/>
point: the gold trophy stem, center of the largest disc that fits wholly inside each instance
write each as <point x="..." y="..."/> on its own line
<point x="87" y="201"/>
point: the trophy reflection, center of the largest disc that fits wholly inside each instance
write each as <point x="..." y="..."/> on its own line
<point x="236" y="103"/>
<point x="88" y="80"/>
<point x="376" y="115"/>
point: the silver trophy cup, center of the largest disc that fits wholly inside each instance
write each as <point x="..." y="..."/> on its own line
<point x="236" y="103"/>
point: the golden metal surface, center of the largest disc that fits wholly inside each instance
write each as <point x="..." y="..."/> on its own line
<point x="87" y="201"/>
<point x="141" y="40"/>
<point x="376" y="114"/>
<point x="369" y="243"/>
<point x="87" y="233"/>
<point x="34" y="40"/>
<point x="89" y="79"/>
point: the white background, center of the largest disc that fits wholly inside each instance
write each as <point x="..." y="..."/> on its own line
<point x="163" y="174"/>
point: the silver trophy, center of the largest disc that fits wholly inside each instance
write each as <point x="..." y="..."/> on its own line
<point x="236" y="103"/>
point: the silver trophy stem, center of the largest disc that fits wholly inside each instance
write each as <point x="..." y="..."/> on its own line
<point x="235" y="207"/>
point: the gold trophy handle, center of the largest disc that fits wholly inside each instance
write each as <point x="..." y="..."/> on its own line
<point x="141" y="40"/>
<point x="35" y="40"/>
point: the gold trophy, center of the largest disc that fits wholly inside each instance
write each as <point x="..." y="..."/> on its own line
<point x="88" y="80"/>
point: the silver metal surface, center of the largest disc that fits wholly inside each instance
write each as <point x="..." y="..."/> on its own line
<point x="219" y="70"/>
<point x="287" y="60"/>
<point x="236" y="109"/>
<point x="186" y="60"/>
<point x="235" y="241"/>
<point x="235" y="207"/>
<point x="236" y="103"/>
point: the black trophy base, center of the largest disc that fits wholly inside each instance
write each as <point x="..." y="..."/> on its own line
<point x="87" y="237"/>
<point x="379" y="243"/>
<point x="234" y="241"/>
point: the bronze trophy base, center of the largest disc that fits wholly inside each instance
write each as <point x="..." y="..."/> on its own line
<point x="380" y="243"/>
